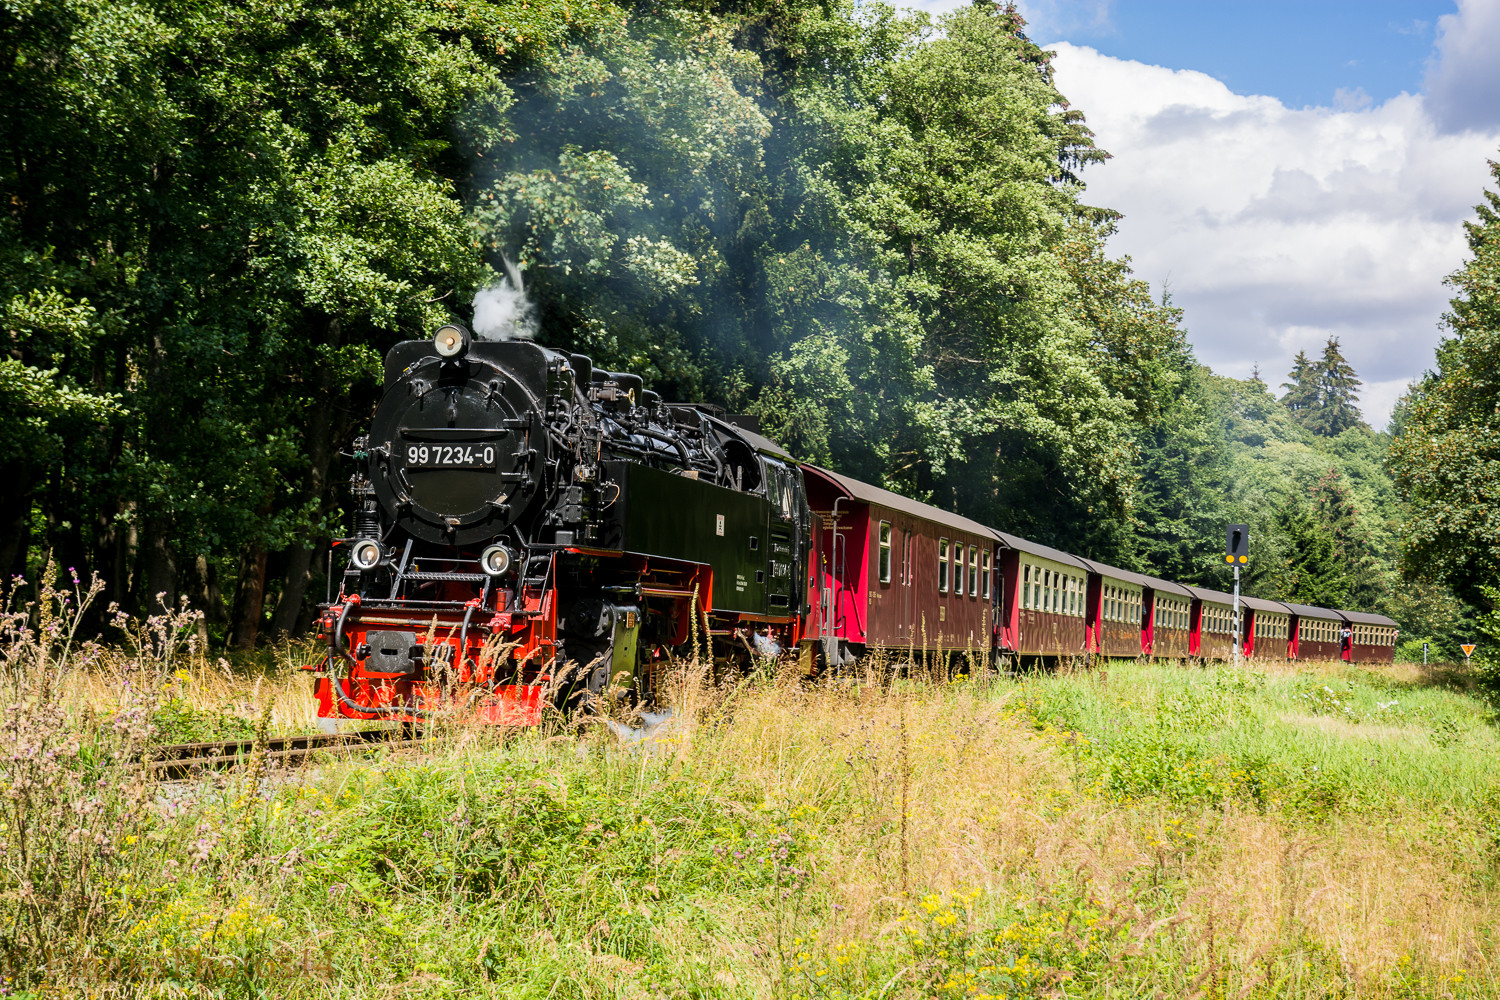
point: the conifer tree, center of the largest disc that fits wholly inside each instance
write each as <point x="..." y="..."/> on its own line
<point x="1302" y="390"/>
<point x="1335" y="411"/>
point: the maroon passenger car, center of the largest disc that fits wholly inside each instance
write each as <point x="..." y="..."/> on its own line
<point x="1167" y="625"/>
<point x="1213" y="625"/>
<point x="1116" y="608"/>
<point x="1315" y="633"/>
<point x="1042" y="598"/>
<point x="1267" y="632"/>
<point x="897" y="573"/>
<point x="1373" y="638"/>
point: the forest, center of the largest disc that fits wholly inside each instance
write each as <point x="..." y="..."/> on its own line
<point x="866" y="227"/>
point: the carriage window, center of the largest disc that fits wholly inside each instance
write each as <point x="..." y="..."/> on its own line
<point x="985" y="585"/>
<point x="958" y="568"/>
<point x="942" y="565"/>
<point x="1026" y="586"/>
<point x="973" y="570"/>
<point x="885" y="552"/>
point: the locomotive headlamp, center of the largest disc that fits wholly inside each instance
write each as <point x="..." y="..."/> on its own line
<point x="366" y="554"/>
<point x="451" y="340"/>
<point x="495" y="560"/>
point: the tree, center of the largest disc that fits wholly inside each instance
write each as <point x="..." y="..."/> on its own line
<point x="1302" y="391"/>
<point x="1335" y="411"/>
<point x="1446" y="460"/>
<point x="1313" y="574"/>
<point x="219" y="214"/>
<point x="1327" y="558"/>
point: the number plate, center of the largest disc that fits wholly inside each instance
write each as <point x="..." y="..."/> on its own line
<point x="459" y="455"/>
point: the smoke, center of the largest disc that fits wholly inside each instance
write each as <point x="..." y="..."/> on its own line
<point x="501" y="309"/>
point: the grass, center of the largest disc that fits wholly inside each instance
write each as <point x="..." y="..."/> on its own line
<point x="1132" y="831"/>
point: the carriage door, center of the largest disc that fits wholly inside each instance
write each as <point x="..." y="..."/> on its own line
<point x="782" y="571"/>
<point x="906" y="601"/>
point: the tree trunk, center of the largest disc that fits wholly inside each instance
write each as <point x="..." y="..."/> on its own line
<point x="320" y="453"/>
<point x="209" y="596"/>
<point x="252" y="599"/>
<point x="15" y="525"/>
<point x="293" y="590"/>
<point x="159" y="586"/>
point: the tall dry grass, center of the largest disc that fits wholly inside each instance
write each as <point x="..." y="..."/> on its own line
<point x="992" y="807"/>
<point x="885" y="833"/>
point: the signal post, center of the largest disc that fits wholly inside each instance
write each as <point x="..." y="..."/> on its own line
<point x="1237" y="553"/>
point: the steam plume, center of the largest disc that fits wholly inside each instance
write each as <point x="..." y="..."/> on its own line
<point x="501" y="309"/>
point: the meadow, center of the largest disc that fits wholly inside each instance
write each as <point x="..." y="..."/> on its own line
<point x="1129" y="830"/>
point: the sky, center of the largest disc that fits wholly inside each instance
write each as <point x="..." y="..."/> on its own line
<point x="1290" y="171"/>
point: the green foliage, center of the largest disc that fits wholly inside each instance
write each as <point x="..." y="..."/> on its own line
<point x="1322" y="396"/>
<point x="174" y="720"/>
<point x="1162" y="733"/>
<point x="863" y="226"/>
<point x="1445" y="460"/>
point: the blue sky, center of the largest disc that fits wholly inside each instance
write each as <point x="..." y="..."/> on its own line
<point x="1292" y="171"/>
<point x="1301" y="53"/>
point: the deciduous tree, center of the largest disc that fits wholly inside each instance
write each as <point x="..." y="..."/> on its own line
<point x="1446" y="461"/>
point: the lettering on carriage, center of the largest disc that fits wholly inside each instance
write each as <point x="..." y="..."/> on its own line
<point x="739" y="583"/>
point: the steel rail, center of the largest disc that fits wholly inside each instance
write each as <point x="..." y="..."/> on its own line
<point x="182" y="759"/>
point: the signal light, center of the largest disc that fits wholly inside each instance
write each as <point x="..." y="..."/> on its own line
<point x="495" y="560"/>
<point x="366" y="554"/>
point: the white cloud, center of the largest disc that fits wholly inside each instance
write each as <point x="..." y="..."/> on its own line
<point x="1277" y="227"/>
<point x="1463" y="78"/>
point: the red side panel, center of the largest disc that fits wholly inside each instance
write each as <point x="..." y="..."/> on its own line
<point x="1148" y="625"/>
<point x="1008" y="610"/>
<point x="1093" y="614"/>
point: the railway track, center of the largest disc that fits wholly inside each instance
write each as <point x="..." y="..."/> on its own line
<point x="183" y="759"/>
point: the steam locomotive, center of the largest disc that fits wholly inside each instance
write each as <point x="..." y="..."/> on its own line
<point x="531" y="531"/>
